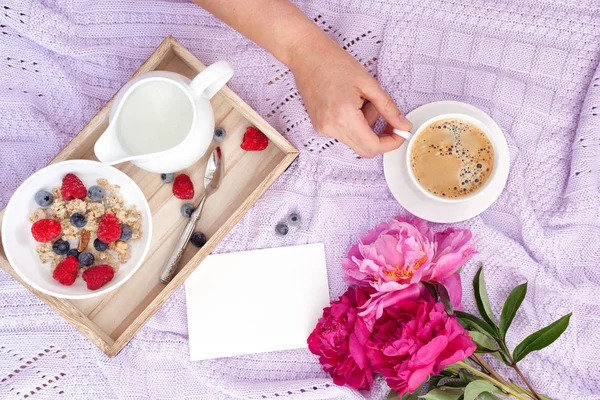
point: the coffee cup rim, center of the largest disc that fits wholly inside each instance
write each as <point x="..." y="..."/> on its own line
<point x="467" y="118"/>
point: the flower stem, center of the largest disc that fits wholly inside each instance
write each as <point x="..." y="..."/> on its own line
<point x="508" y="389"/>
<point x="533" y="392"/>
<point x="489" y="368"/>
<point x="513" y="364"/>
<point x="481" y="361"/>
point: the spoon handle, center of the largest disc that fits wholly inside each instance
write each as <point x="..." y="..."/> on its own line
<point x="171" y="267"/>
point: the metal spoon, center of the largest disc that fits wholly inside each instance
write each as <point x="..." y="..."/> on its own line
<point x="212" y="179"/>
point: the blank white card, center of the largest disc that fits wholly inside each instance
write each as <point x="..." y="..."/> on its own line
<point x="255" y="301"/>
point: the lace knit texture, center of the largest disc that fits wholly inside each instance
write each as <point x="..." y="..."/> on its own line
<point x="531" y="64"/>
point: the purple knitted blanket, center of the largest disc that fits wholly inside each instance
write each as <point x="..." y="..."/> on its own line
<point x="531" y="64"/>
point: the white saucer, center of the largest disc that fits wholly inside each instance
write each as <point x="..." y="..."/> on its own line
<point x="413" y="200"/>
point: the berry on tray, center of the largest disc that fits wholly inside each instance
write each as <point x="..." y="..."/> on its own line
<point x="183" y="188"/>
<point x="44" y="198"/>
<point x="293" y="219"/>
<point x="219" y="134"/>
<point x="72" y="188"/>
<point x="66" y="271"/>
<point x="98" y="276"/>
<point x="96" y="193"/>
<point x="282" y="229"/>
<point x="86" y="258"/>
<point x="198" y="239"/>
<point x="109" y="228"/>
<point x="61" y="247"/>
<point x="78" y="220"/>
<point x="125" y="233"/>
<point x="45" y="230"/>
<point x="73" y="253"/>
<point x="254" y="140"/>
<point x="187" y="209"/>
<point x="167" y="178"/>
<point x="99" y="245"/>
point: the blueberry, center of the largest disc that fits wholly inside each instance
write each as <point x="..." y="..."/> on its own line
<point x="100" y="245"/>
<point x="61" y="247"/>
<point x="198" y="239"/>
<point x="78" y="220"/>
<point x="86" y="258"/>
<point x="219" y="134"/>
<point x="73" y="252"/>
<point x="282" y="229"/>
<point x="293" y="219"/>
<point x="125" y="233"/>
<point x="44" y="198"/>
<point x="187" y="209"/>
<point x="167" y="178"/>
<point x="96" y="193"/>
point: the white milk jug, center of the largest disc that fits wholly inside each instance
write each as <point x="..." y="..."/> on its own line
<point x="162" y="121"/>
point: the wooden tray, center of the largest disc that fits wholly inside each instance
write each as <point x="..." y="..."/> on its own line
<point x="112" y="320"/>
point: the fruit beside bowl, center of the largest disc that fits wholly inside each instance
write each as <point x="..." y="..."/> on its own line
<point x="77" y="229"/>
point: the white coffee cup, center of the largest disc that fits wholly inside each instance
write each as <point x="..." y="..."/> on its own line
<point x="410" y="138"/>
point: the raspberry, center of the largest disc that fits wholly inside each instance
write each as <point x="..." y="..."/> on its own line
<point x="109" y="228"/>
<point x="183" y="188"/>
<point x="254" y="140"/>
<point x="98" y="276"/>
<point x="72" y="188"/>
<point x="65" y="273"/>
<point x="45" y="230"/>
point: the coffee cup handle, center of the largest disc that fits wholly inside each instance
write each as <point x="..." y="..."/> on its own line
<point x="405" y="134"/>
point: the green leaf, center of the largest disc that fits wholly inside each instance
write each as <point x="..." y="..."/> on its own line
<point x="488" y="396"/>
<point x="445" y="298"/>
<point x="455" y="384"/>
<point x="464" y="375"/>
<point x="541" y="338"/>
<point x="477" y="323"/>
<point x="484" y="343"/>
<point x="393" y="395"/>
<point x="512" y="304"/>
<point x="498" y="355"/>
<point x="432" y="290"/>
<point x="434" y="380"/>
<point x="475" y="388"/>
<point x="410" y="396"/>
<point x="442" y="394"/>
<point x="481" y="297"/>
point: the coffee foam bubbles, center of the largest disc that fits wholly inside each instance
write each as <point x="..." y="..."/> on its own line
<point x="452" y="158"/>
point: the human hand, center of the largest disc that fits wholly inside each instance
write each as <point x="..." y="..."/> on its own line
<point x="344" y="101"/>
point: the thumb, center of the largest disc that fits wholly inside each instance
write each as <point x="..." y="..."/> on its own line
<point x="385" y="106"/>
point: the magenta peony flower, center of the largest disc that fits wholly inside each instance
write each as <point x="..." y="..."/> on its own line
<point x="414" y="339"/>
<point x="400" y="254"/>
<point x="339" y="340"/>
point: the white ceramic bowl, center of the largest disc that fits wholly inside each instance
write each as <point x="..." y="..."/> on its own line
<point x="19" y="245"/>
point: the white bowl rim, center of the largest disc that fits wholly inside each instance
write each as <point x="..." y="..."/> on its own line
<point x="95" y="293"/>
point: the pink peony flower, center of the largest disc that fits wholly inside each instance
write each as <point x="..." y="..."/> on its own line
<point x="414" y="339"/>
<point x="399" y="255"/>
<point x="339" y="340"/>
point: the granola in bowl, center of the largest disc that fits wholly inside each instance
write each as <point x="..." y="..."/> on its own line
<point x="84" y="232"/>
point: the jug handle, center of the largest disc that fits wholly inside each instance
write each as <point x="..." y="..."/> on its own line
<point x="212" y="79"/>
